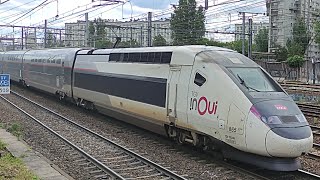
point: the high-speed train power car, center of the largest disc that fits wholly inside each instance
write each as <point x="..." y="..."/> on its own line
<point x="209" y="97"/>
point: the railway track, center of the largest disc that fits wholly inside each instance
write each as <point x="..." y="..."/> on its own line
<point x="299" y="87"/>
<point x="315" y="154"/>
<point x="310" y="110"/>
<point x="316" y="146"/>
<point x="114" y="161"/>
<point x="297" y="83"/>
<point x="116" y="165"/>
<point x="274" y="175"/>
<point x="315" y="130"/>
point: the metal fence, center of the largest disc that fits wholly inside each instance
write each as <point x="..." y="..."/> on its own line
<point x="282" y="71"/>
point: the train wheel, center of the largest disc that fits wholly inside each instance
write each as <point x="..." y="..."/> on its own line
<point x="180" y="138"/>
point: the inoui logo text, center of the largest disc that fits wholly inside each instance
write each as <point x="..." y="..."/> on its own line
<point x="203" y="105"/>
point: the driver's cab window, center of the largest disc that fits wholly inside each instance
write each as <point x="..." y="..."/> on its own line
<point x="199" y="79"/>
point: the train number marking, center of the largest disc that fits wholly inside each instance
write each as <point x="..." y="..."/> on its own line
<point x="230" y="139"/>
<point x="232" y="129"/>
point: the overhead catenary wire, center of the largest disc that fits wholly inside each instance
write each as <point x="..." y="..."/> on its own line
<point x="161" y="13"/>
<point x="15" y="7"/>
<point x="41" y="4"/>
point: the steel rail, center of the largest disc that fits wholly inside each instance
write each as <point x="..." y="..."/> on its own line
<point x="88" y="156"/>
<point x="158" y="167"/>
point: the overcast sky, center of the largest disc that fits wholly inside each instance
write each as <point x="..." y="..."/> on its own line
<point x="218" y="17"/>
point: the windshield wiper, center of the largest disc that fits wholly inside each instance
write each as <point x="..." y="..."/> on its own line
<point x="245" y="85"/>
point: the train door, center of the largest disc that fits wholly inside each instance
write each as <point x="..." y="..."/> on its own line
<point x="60" y="72"/>
<point x="21" y="66"/>
<point x="23" y="58"/>
<point x="172" y="94"/>
<point x="197" y="99"/>
<point x="203" y="99"/>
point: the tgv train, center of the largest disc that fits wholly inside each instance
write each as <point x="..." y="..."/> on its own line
<point x="209" y="97"/>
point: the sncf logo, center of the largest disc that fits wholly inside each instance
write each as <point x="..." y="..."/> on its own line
<point x="280" y="107"/>
<point x="203" y="106"/>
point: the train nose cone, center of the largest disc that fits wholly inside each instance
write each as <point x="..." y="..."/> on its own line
<point x="289" y="142"/>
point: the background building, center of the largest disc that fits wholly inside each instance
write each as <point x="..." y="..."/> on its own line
<point x="30" y="40"/>
<point x="255" y="29"/>
<point x="130" y="30"/>
<point x="282" y="16"/>
<point x="75" y="34"/>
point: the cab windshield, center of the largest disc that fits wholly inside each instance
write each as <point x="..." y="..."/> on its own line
<point x="254" y="79"/>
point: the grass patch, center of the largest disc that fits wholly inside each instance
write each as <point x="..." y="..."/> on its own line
<point x="2" y="125"/>
<point x="13" y="168"/>
<point x="15" y="129"/>
<point x="2" y="146"/>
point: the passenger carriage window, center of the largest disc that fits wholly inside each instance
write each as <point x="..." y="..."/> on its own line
<point x="130" y="57"/>
<point x="111" y="57"/>
<point x="151" y="57"/>
<point x="166" y="57"/>
<point x="114" y="57"/>
<point x="157" y="57"/>
<point x="135" y="57"/>
<point x="126" y="57"/>
<point x="117" y="57"/>
<point x="199" y="79"/>
<point x="58" y="61"/>
<point x="144" y="57"/>
<point x="139" y="58"/>
<point x="121" y="57"/>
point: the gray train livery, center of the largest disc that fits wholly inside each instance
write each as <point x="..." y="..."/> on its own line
<point x="209" y="97"/>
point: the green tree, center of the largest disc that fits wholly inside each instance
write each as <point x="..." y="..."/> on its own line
<point x="237" y="46"/>
<point x="298" y="45"/>
<point x="295" y="48"/>
<point x="208" y="42"/>
<point x="317" y="32"/>
<point x="261" y="40"/>
<point x="187" y="23"/>
<point x="159" y="41"/>
<point x="281" y="53"/>
<point x="295" y="61"/>
<point x="51" y="39"/>
<point x="97" y="34"/>
<point x="102" y="43"/>
<point x="92" y="31"/>
<point x="300" y="39"/>
<point x="128" y="44"/>
<point x="133" y="43"/>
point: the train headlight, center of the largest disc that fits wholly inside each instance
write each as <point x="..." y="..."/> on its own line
<point x="266" y="120"/>
<point x="301" y="118"/>
<point x="273" y="120"/>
